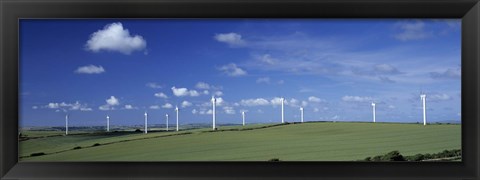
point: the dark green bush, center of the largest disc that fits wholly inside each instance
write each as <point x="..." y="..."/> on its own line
<point x="77" y="147"/>
<point x="274" y="159"/>
<point x="96" y="144"/>
<point x="393" y="156"/>
<point x="138" y="130"/>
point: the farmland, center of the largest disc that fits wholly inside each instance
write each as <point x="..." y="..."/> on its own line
<point x="312" y="141"/>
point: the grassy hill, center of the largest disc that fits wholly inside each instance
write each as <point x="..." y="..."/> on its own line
<point x="316" y="141"/>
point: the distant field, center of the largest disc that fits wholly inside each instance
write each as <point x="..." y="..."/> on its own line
<point x="316" y="141"/>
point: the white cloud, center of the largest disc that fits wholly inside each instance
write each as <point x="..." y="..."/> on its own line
<point x="155" y="107"/>
<point x="447" y="74"/>
<point x="194" y="111"/>
<point x="316" y="109"/>
<point x="254" y="102"/>
<point x="128" y="106"/>
<point x="205" y="92"/>
<point x="232" y="39"/>
<point x="161" y="95"/>
<point x="265" y="80"/>
<point x="209" y="112"/>
<point x="218" y="93"/>
<point x="115" y="38"/>
<point x="86" y="109"/>
<point x="90" y="69"/>
<point x="167" y="106"/>
<point x="104" y="107"/>
<point x="112" y="101"/>
<point x="202" y="85"/>
<point x="34" y="107"/>
<point x="386" y="69"/>
<point x="438" y="97"/>
<point x="186" y="104"/>
<point x="53" y="105"/>
<point x="277" y="101"/>
<point x="77" y="106"/>
<point x="304" y="103"/>
<point x="153" y="85"/>
<point x="184" y="92"/>
<point x="232" y="70"/>
<point x="356" y="99"/>
<point x="266" y="58"/>
<point x="229" y="110"/>
<point x="220" y="101"/>
<point x="412" y="31"/>
<point x="315" y="99"/>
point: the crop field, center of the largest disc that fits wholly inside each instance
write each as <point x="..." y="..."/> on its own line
<point x="312" y="141"/>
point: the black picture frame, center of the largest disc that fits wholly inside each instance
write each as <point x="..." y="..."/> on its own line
<point x="467" y="10"/>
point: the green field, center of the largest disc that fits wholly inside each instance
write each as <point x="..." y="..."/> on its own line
<point x="316" y="141"/>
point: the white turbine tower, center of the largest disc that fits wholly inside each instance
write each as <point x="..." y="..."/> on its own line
<point x="108" y="123"/>
<point x="373" y="107"/>
<point x="66" y="124"/>
<point x="243" y="118"/>
<point x="301" y="114"/>
<point x="214" y="101"/>
<point x="423" y="97"/>
<point x="146" y="123"/>
<point x="283" y="112"/>
<point x="166" y="115"/>
<point x="176" y="109"/>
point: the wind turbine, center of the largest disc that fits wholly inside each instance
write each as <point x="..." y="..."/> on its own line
<point x="108" y="123"/>
<point x="176" y="109"/>
<point x="66" y="124"/>
<point x="243" y="118"/>
<point x="423" y="97"/>
<point x="283" y="112"/>
<point x="301" y="114"/>
<point x="373" y="107"/>
<point x="166" y="115"/>
<point x="146" y="123"/>
<point x="214" y="101"/>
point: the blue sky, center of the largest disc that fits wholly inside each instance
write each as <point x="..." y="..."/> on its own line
<point x="333" y="68"/>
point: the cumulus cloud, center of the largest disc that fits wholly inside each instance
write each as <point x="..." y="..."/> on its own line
<point x="229" y="110"/>
<point x="232" y="39"/>
<point x="90" y="69"/>
<point x="111" y="102"/>
<point x="232" y="70"/>
<point x="184" y="92"/>
<point x="265" y="80"/>
<point x="129" y="106"/>
<point x="153" y="85"/>
<point x="77" y="106"/>
<point x="167" y="106"/>
<point x="254" y="102"/>
<point x="202" y="85"/>
<point x="277" y="101"/>
<point x="113" y="37"/>
<point x="315" y="99"/>
<point x="161" y="95"/>
<point x="186" y="104"/>
<point x="155" y="107"/>
<point x="194" y="111"/>
<point x="267" y="59"/>
<point x="438" y="97"/>
<point x="53" y="105"/>
<point x="447" y="74"/>
<point x="218" y="93"/>
<point x="412" y="31"/>
<point x="356" y="99"/>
